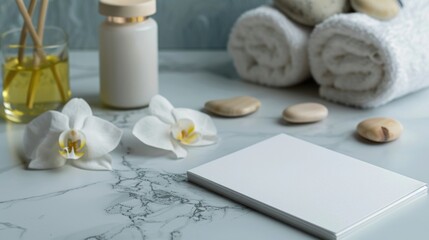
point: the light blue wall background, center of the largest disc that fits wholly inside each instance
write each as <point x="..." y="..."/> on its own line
<point x="183" y="24"/>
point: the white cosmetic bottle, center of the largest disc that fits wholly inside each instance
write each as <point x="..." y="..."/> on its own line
<point x="128" y="53"/>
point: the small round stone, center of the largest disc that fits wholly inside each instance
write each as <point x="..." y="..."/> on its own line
<point x="305" y="113"/>
<point x="311" y="12"/>
<point x="379" y="9"/>
<point x="233" y="107"/>
<point x="380" y="129"/>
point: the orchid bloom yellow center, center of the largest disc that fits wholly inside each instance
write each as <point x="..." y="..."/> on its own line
<point x="184" y="132"/>
<point x="72" y="144"/>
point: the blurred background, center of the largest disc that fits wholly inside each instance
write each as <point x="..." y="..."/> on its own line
<point x="183" y="24"/>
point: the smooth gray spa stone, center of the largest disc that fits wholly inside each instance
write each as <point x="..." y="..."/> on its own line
<point x="305" y="113"/>
<point x="380" y="129"/>
<point x="311" y="12"/>
<point x="233" y="107"/>
<point x="379" y="9"/>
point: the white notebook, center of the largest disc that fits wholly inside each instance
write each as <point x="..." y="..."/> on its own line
<point x="323" y="192"/>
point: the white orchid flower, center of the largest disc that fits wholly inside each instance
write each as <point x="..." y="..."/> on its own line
<point x="73" y="134"/>
<point x="172" y="128"/>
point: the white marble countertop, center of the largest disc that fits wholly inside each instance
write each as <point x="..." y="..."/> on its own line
<point x="147" y="195"/>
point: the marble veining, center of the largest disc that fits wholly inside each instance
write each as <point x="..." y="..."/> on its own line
<point x="155" y="205"/>
<point x="12" y="227"/>
<point x="147" y="195"/>
<point x="10" y="203"/>
<point x="161" y="201"/>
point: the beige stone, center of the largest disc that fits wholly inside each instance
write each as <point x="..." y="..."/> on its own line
<point x="233" y="107"/>
<point x="311" y="12"/>
<point x="305" y="113"/>
<point x="380" y="9"/>
<point x="380" y="129"/>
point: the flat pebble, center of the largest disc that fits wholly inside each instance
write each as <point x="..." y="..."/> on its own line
<point x="233" y="107"/>
<point x="311" y="12"/>
<point x="380" y="129"/>
<point x="305" y="113"/>
<point x="379" y="9"/>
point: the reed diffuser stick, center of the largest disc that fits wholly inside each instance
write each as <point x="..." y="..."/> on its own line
<point x="34" y="83"/>
<point x="60" y="85"/>
<point x="23" y="36"/>
<point x="30" y="27"/>
<point x="42" y="19"/>
<point x="36" y="74"/>
<point x="41" y="26"/>
<point x="40" y="32"/>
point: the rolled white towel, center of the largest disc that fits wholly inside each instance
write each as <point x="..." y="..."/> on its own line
<point x="269" y="49"/>
<point x="364" y="62"/>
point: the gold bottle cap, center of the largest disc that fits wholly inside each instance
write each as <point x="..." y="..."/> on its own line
<point x="127" y="8"/>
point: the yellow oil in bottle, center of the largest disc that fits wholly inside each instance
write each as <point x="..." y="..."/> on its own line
<point x="33" y="86"/>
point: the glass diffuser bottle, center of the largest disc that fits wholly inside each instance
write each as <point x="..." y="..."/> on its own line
<point x="35" y="67"/>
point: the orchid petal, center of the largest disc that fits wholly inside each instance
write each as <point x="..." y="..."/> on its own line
<point x="47" y="155"/>
<point x="203" y="125"/>
<point x="102" y="136"/>
<point x="161" y="108"/>
<point x="37" y="130"/>
<point x="77" y="110"/>
<point x="154" y="132"/>
<point x="204" y="141"/>
<point x="179" y="151"/>
<point x="102" y="163"/>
